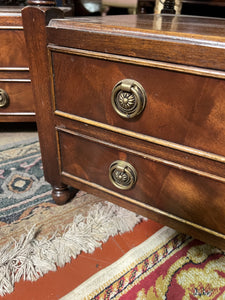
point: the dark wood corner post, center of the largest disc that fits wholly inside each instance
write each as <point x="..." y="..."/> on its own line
<point x="34" y="21"/>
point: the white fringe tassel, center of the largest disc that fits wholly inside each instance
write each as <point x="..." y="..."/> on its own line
<point x="29" y="258"/>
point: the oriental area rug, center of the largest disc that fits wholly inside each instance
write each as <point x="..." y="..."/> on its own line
<point x="36" y="235"/>
<point x="168" y="265"/>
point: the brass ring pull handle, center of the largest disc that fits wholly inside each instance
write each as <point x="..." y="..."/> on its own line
<point x="122" y="174"/>
<point x="4" y="98"/>
<point x="128" y="98"/>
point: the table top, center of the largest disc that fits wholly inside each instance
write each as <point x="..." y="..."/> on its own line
<point x="212" y="29"/>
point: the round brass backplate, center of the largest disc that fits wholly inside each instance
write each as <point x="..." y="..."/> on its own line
<point x="122" y="174"/>
<point x="4" y="99"/>
<point x="128" y="98"/>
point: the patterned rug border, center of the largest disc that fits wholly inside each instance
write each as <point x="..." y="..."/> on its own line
<point x="87" y="290"/>
<point x="22" y="182"/>
<point x="19" y="143"/>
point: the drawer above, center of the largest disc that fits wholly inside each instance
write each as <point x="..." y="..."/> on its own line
<point x="182" y="108"/>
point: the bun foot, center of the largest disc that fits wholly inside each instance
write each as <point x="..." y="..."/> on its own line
<point x="61" y="194"/>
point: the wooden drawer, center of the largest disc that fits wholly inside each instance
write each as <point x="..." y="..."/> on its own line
<point x="182" y="108"/>
<point x="13" y="50"/>
<point x="19" y="98"/>
<point x="156" y="185"/>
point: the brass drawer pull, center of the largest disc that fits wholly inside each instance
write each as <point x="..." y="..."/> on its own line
<point x="122" y="174"/>
<point x="4" y="98"/>
<point x="128" y="98"/>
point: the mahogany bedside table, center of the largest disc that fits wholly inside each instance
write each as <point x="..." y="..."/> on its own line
<point x="16" y="99"/>
<point x="132" y="109"/>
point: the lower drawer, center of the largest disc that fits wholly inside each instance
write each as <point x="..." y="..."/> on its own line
<point x="16" y="97"/>
<point x="191" y="197"/>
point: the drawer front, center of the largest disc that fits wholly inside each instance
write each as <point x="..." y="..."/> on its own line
<point x="182" y="108"/>
<point x="191" y="197"/>
<point x="13" y="50"/>
<point x="16" y="97"/>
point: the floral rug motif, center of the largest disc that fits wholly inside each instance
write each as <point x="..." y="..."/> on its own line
<point x="166" y="266"/>
<point x="196" y="271"/>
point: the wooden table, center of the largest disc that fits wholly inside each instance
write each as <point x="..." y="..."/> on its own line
<point x="16" y="98"/>
<point x="132" y="109"/>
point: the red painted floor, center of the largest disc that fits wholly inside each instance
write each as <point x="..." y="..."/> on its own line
<point x="54" y="285"/>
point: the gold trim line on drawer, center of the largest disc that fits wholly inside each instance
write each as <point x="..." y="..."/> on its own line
<point x="140" y="62"/>
<point x="14" y="80"/>
<point x="143" y="205"/>
<point x="13" y="69"/>
<point x="144" y="137"/>
<point x="18" y="114"/>
<point x="11" y="27"/>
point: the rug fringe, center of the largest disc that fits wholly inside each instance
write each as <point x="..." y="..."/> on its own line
<point x="30" y="258"/>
